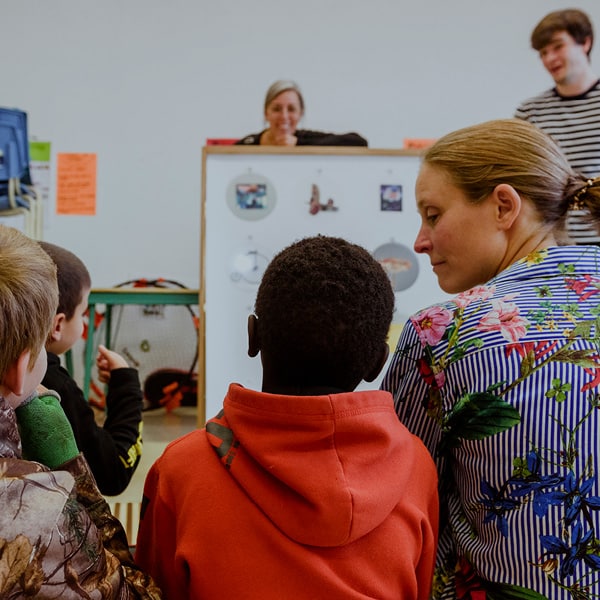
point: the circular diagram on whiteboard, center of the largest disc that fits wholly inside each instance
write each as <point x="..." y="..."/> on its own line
<point x="400" y="263"/>
<point x="247" y="266"/>
<point x="251" y="197"/>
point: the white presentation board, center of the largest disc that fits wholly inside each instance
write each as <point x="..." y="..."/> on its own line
<point x="256" y="201"/>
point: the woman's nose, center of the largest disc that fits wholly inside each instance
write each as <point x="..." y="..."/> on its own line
<point x="422" y="242"/>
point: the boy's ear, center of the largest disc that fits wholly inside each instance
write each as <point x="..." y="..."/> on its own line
<point x="14" y="379"/>
<point x="385" y="352"/>
<point x="253" y="337"/>
<point x="57" y="325"/>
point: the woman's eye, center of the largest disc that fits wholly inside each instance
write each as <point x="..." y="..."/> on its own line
<point x="431" y="217"/>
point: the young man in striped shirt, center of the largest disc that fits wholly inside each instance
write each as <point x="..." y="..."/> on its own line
<point x="570" y="111"/>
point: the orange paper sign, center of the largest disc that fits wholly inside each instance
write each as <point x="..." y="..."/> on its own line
<point x="76" y="184"/>
<point x="418" y="143"/>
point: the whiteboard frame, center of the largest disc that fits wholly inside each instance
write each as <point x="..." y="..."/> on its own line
<point x="291" y="167"/>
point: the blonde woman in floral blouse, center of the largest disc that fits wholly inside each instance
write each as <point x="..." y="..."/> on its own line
<point x="502" y="382"/>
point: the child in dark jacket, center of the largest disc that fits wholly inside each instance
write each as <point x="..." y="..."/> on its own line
<point x="113" y="451"/>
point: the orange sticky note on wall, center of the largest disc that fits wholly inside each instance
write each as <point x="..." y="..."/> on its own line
<point x="418" y="143"/>
<point x="76" y="184"/>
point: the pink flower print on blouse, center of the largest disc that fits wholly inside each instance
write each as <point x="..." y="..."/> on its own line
<point x="431" y="324"/>
<point x="479" y="292"/>
<point x="432" y="376"/>
<point x="539" y="349"/>
<point x="505" y="318"/>
<point x="595" y="373"/>
<point x="585" y="288"/>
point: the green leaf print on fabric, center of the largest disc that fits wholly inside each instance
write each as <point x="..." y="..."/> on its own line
<point x="475" y="417"/>
<point x="501" y="591"/>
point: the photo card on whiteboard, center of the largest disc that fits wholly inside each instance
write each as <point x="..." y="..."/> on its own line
<point x="390" y="197"/>
<point x="251" y="196"/>
<point x="315" y="204"/>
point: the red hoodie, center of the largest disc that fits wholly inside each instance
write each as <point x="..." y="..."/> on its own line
<point x="293" y="497"/>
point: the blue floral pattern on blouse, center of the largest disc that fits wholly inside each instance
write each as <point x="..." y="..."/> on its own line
<point x="502" y="383"/>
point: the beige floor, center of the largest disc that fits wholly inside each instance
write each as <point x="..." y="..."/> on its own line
<point x="159" y="429"/>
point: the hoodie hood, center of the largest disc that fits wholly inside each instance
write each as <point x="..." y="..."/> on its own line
<point x="315" y="465"/>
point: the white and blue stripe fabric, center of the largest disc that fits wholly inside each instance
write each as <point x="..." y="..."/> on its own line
<point x="502" y="383"/>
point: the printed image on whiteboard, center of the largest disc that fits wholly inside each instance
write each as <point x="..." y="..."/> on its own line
<point x="400" y="263"/>
<point x="391" y="197"/>
<point x="320" y="194"/>
<point x="315" y="205"/>
<point x="247" y="266"/>
<point x="251" y="197"/>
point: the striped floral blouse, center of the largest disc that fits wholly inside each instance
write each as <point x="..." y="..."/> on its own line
<point x="502" y="383"/>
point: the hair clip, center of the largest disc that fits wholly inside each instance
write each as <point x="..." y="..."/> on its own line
<point x="578" y="203"/>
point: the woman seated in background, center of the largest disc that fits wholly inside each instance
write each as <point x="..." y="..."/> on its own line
<point x="284" y="107"/>
<point x="502" y="382"/>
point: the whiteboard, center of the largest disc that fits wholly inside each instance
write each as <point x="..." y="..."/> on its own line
<point x="258" y="201"/>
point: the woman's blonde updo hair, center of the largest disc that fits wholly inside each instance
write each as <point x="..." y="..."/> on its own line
<point x="280" y="86"/>
<point x="515" y="152"/>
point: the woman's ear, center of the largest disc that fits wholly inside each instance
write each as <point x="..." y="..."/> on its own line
<point x="507" y="204"/>
<point x="385" y="352"/>
<point x="253" y="337"/>
<point x="57" y="327"/>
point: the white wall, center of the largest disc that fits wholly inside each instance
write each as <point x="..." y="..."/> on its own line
<point x="143" y="83"/>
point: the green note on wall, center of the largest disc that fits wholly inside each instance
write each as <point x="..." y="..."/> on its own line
<point x="39" y="151"/>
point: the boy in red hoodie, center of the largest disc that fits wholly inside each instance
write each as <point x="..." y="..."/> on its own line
<point x="306" y="489"/>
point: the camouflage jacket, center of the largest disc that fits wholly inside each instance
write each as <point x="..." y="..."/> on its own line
<point x="58" y="538"/>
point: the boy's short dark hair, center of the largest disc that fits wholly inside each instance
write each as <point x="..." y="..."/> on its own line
<point x="575" y="22"/>
<point x="324" y="308"/>
<point x="73" y="278"/>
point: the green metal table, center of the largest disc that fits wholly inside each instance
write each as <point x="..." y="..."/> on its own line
<point x="120" y="296"/>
